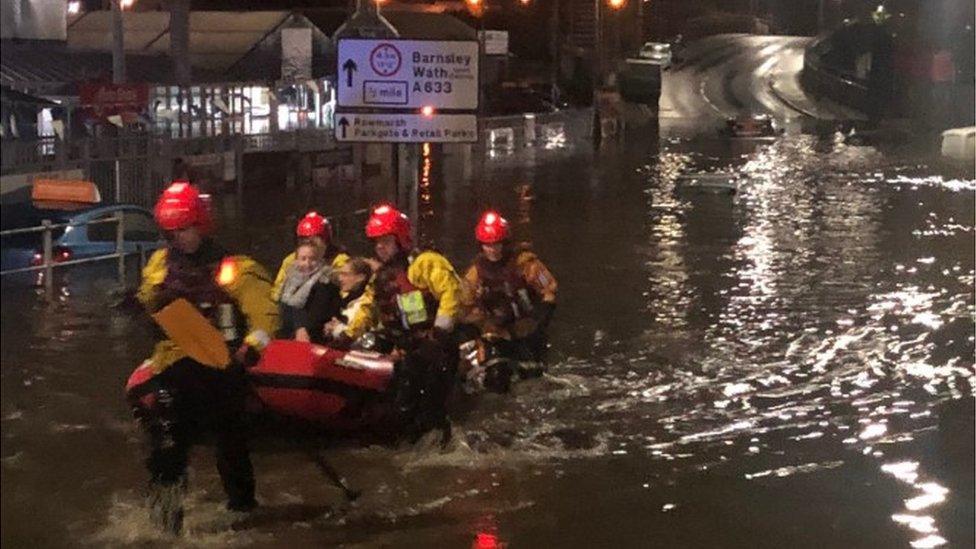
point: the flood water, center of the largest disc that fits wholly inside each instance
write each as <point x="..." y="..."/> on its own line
<point x="788" y="367"/>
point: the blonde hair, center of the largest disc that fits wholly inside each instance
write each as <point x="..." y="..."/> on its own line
<point x="315" y="242"/>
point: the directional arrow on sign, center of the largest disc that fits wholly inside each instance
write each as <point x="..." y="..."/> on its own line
<point x="350" y="67"/>
<point x="343" y="123"/>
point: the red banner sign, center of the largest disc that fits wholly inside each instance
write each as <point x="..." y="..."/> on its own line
<point x="108" y="99"/>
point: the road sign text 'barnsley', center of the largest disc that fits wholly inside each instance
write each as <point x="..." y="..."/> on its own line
<point x="408" y="74"/>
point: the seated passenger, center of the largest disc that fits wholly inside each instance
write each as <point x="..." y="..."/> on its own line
<point x="307" y="281"/>
<point x="311" y="225"/>
<point x="509" y="293"/>
<point x="352" y="280"/>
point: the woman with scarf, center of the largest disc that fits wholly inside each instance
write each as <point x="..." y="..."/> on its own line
<point x="313" y="224"/>
<point x="308" y="295"/>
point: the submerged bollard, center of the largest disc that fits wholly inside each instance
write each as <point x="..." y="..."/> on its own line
<point x="48" y="263"/>
<point x="120" y="245"/>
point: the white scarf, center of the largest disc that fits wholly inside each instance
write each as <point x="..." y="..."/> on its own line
<point x="298" y="285"/>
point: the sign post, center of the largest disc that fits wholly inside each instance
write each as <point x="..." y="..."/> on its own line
<point x="407" y="92"/>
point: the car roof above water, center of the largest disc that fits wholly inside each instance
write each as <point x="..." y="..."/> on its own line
<point x="20" y="215"/>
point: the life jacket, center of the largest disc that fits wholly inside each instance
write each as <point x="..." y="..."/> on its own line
<point x="401" y="304"/>
<point x="197" y="278"/>
<point x="504" y="294"/>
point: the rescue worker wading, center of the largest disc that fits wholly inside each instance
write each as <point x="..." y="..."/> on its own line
<point x="311" y="225"/>
<point x="510" y="294"/>
<point x="180" y="398"/>
<point x="414" y="302"/>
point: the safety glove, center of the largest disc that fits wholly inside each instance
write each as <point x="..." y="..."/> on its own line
<point x="246" y="356"/>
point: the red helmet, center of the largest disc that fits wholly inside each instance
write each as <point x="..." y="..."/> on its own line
<point x="386" y="219"/>
<point x="491" y="228"/>
<point x="314" y="224"/>
<point x="182" y="206"/>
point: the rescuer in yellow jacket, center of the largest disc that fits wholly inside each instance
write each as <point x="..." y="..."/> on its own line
<point x="233" y="292"/>
<point x="509" y="292"/>
<point x="415" y="291"/>
<point x="240" y="278"/>
<point x="311" y="225"/>
<point x="414" y="300"/>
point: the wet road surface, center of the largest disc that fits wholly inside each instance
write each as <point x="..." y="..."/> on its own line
<point x="790" y="366"/>
<point x="727" y="75"/>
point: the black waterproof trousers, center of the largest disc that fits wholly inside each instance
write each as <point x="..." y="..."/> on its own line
<point x="193" y="400"/>
<point x="424" y="380"/>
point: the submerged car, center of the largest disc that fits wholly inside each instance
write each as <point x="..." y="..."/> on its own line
<point x="657" y="52"/>
<point x="751" y="126"/>
<point x="79" y="240"/>
<point x="710" y="183"/>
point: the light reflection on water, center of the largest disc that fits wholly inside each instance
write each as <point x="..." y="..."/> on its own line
<point x="814" y="309"/>
<point x="929" y="494"/>
<point x="668" y="276"/>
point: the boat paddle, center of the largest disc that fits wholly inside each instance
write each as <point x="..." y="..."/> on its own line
<point x="193" y="333"/>
<point x="333" y="476"/>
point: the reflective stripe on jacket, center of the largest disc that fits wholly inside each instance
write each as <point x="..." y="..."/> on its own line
<point x="249" y="288"/>
<point x="530" y="273"/>
<point x="429" y="272"/>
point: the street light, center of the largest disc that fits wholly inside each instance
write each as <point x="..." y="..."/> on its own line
<point x="616" y="4"/>
<point x="880" y="15"/>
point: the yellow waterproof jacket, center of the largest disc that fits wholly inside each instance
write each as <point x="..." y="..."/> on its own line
<point x="250" y="289"/>
<point x="337" y="262"/>
<point x="529" y="268"/>
<point x="428" y="272"/>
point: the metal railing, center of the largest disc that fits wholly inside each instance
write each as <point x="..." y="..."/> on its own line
<point x="48" y="263"/>
<point x="543" y="129"/>
<point x="53" y="153"/>
<point x="154" y="152"/>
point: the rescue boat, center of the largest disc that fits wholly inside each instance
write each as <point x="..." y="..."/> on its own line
<point x="338" y="390"/>
<point x="343" y="390"/>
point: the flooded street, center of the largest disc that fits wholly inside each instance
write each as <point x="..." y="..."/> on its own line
<point x="791" y="366"/>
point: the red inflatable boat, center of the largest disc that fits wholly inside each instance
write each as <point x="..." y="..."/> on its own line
<point x="338" y="389"/>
